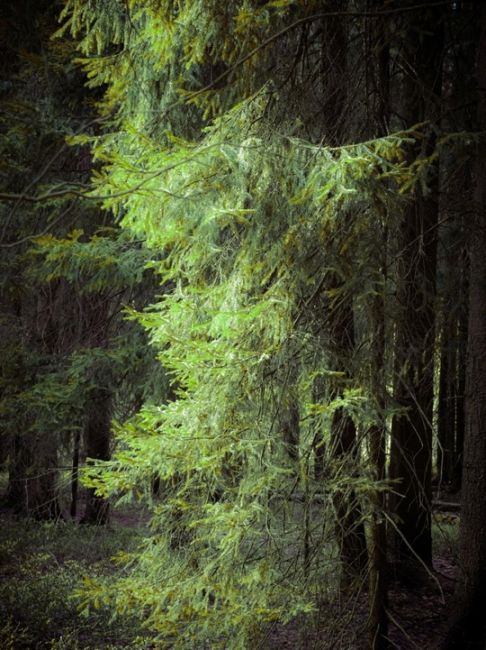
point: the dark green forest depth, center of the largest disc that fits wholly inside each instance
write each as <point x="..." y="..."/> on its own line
<point x="243" y="324"/>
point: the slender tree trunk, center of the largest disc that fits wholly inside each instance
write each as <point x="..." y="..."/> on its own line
<point x="344" y="453"/>
<point x="97" y="441"/>
<point x="378" y="570"/>
<point x="32" y="489"/>
<point x="19" y="462"/>
<point x="468" y="628"/>
<point x="349" y="518"/>
<point x="378" y="584"/>
<point x="460" y="386"/>
<point x="379" y="73"/>
<point x="446" y="415"/>
<point x="75" y="474"/>
<point x="319" y="446"/>
<point x="290" y="426"/>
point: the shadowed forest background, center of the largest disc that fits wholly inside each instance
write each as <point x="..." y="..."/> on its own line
<point x="243" y="324"/>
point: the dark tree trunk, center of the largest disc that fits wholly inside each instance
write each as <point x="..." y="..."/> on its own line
<point x="349" y="519"/>
<point x="343" y="448"/>
<point x="460" y="387"/>
<point x="19" y="462"/>
<point x="447" y="414"/>
<point x="451" y="423"/>
<point x="378" y="570"/>
<point x="468" y="628"/>
<point x="458" y="101"/>
<point x="334" y="71"/>
<point x="319" y="446"/>
<point x="411" y="445"/>
<point x="75" y="474"/>
<point x="32" y="488"/>
<point x="460" y="428"/>
<point x="344" y="452"/>
<point x="378" y="70"/>
<point x="97" y="444"/>
<point x="378" y="587"/>
<point x="290" y="427"/>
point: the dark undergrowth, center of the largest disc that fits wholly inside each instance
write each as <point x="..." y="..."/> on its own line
<point x="43" y="564"/>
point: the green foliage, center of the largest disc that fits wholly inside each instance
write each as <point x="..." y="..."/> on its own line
<point x="262" y="233"/>
<point x="242" y="334"/>
<point x="105" y="262"/>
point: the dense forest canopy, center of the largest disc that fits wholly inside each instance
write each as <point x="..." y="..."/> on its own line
<point x="243" y="284"/>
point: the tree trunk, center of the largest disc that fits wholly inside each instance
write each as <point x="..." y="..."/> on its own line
<point x="379" y="112"/>
<point x="349" y="518"/>
<point x="468" y="628"/>
<point x="290" y="431"/>
<point x="378" y="569"/>
<point x="446" y="415"/>
<point x="411" y="446"/>
<point x="97" y="442"/>
<point x="32" y="488"/>
<point x="75" y="474"/>
<point x="460" y="386"/>
<point x="458" y="103"/>
<point x="344" y="452"/>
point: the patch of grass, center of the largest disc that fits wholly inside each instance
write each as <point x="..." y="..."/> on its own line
<point x="41" y="565"/>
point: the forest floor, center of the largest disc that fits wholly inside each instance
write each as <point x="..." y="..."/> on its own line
<point x="418" y="613"/>
<point x="418" y="618"/>
<point x="42" y="565"/>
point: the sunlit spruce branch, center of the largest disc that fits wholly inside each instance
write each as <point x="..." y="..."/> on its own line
<point x="59" y="192"/>
<point x="68" y="190"/>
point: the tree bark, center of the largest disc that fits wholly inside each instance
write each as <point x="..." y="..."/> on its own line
<point x="458" y="103"/>
<point x="411" y="445"/>
<point x="75" y="474"/>
<point x="97" y="442"/>
<point x="468" y="628"/>
<point x="32" y="488"/>
<point x="446" y="415"/>
<point x="344" y="453"/>
<point x="378" y="569"/>
<point x="379" y="112"/>
<point x="460" y="386"/>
